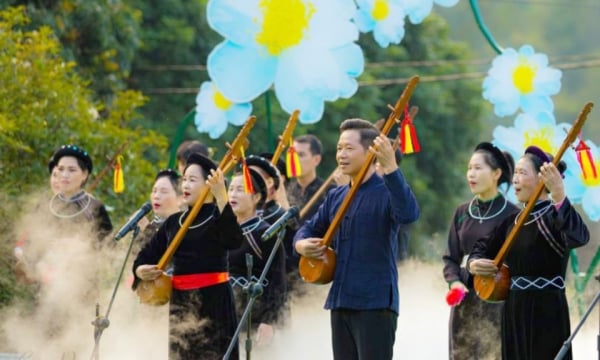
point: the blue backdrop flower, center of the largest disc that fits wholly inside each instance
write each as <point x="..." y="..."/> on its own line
<point x="214" y="111"/>
<point x="521" y="80"/>
<point x="384" y="17"/>
<point x="418" y="10"/>
<point x="305" y="48"/>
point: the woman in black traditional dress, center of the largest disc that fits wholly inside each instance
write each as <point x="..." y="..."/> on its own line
<point x="535" y="319"/>
<point x="68" y="209"/>
<point x="202" y="316"/>
<point x="488" y="168"/>
<point x="268" y="306"/>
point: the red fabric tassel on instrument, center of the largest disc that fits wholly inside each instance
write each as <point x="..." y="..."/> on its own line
<point x="455" y="296"/>
<point x="292" y="162"/>
<point x="248" y="188"/>
<point x="409" y="142"/>
<point x="586" y="161"/>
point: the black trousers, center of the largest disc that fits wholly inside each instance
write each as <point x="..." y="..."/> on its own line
<point x="363" y="334"/>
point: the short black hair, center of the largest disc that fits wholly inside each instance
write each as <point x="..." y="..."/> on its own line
<point x="170" y="174"/>
<point x="188" y="147"/>
<point x="497" y="159"/>
<point x="368" y="132"/>
<point x="316" y="148"/>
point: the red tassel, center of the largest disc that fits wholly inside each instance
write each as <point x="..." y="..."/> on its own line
<point x="455" y="296"/>
<point x="586" y="161"/>
<point x="409" y="142"/>
<point x="292" y="162"/>
<point x="248" y="188"/>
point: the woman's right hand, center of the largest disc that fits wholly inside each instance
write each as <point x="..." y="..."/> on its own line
<point x="148" y="272"/>
<point x="483" y="267"/>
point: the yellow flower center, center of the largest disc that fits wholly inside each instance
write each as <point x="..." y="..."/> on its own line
<point x="284" y="24"/>
<point x="523" y="76"/>
<point x="221" y="101"/>
<point x="381" y="10"/>
<point x="541" y="138"/>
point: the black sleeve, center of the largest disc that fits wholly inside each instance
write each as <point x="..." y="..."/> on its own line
<point x="230" y="233"/>
<point x="104" y="225"/>
<point x="151" y="253"/>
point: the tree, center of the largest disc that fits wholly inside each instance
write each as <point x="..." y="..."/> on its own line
<point x="43" y="104"/>
<point x="100" y="36"/>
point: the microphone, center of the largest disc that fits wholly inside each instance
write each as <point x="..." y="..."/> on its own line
<point x="290" y="214"/>
<point x="133" y="220"/>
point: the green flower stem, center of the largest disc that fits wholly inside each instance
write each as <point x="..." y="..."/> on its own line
<point x="484" y="30"/>
<point x="179" y="137"/>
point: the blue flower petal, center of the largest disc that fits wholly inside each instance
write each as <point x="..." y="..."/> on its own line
<point x="238" y="113"/>
<point x="591" y="203"/>
<point x="417" y="10"/>
<point x="364" y="22"/>
<point x="241" y="73"/>
<point x="533" y="103"/>
<point x="234" y="20"/>
<point x="446" y="3"/>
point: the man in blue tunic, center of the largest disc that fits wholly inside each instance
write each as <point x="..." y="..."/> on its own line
<point x="363" y="298"/>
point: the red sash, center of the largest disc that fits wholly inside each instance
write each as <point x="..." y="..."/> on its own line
<point x="198" y="281"/>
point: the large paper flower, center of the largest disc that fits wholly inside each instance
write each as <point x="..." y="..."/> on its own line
<point x="384" y="17"/>
<point x="304" y="47"/>
<point x="541" y="130"/>
<point x="521" y="80"/>
<point x="418" y="10"/>
<point x="214" y="111"/>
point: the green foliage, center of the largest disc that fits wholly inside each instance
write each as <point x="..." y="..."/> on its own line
<point x="173" y="32"/>
<point x="100" y="36"/>
<point x="44" y="104"/>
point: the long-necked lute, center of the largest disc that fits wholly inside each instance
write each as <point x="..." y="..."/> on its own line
<point x="321" y="271"/>
<point x="285" y="137"/>
<point x="495" y="288"/>
<point x="158" y="291"/>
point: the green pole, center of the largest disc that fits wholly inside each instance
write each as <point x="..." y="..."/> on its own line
<point x="183" y="124"/>
<point x="271" y="145"/>
<point x="484" y="30"/>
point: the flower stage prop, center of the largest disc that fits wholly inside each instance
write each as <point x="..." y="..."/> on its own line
<point x="385" y="18"/>
<point x="305" y="49"/>
<point x="521" y="80"/>
<point x="214" y="111"/>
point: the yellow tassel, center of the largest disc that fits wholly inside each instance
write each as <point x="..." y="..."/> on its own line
<point x="409" y="143"/>
<point x="586" y="161"/>
<point x="292" y="162"/>
<point x="118" y="181"/>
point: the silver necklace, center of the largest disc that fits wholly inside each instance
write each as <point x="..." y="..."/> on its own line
<point x="195" y="226"/>
<point x="485" y="216"/>
<point x="67" y="216"/>
<point x="535" y="214"/>
<point x="251" y="228"/>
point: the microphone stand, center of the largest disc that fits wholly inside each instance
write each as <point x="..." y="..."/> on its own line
<point x="102" y="322"/>
<point x="253" y="290"/>
<point x="567" y="343"/>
